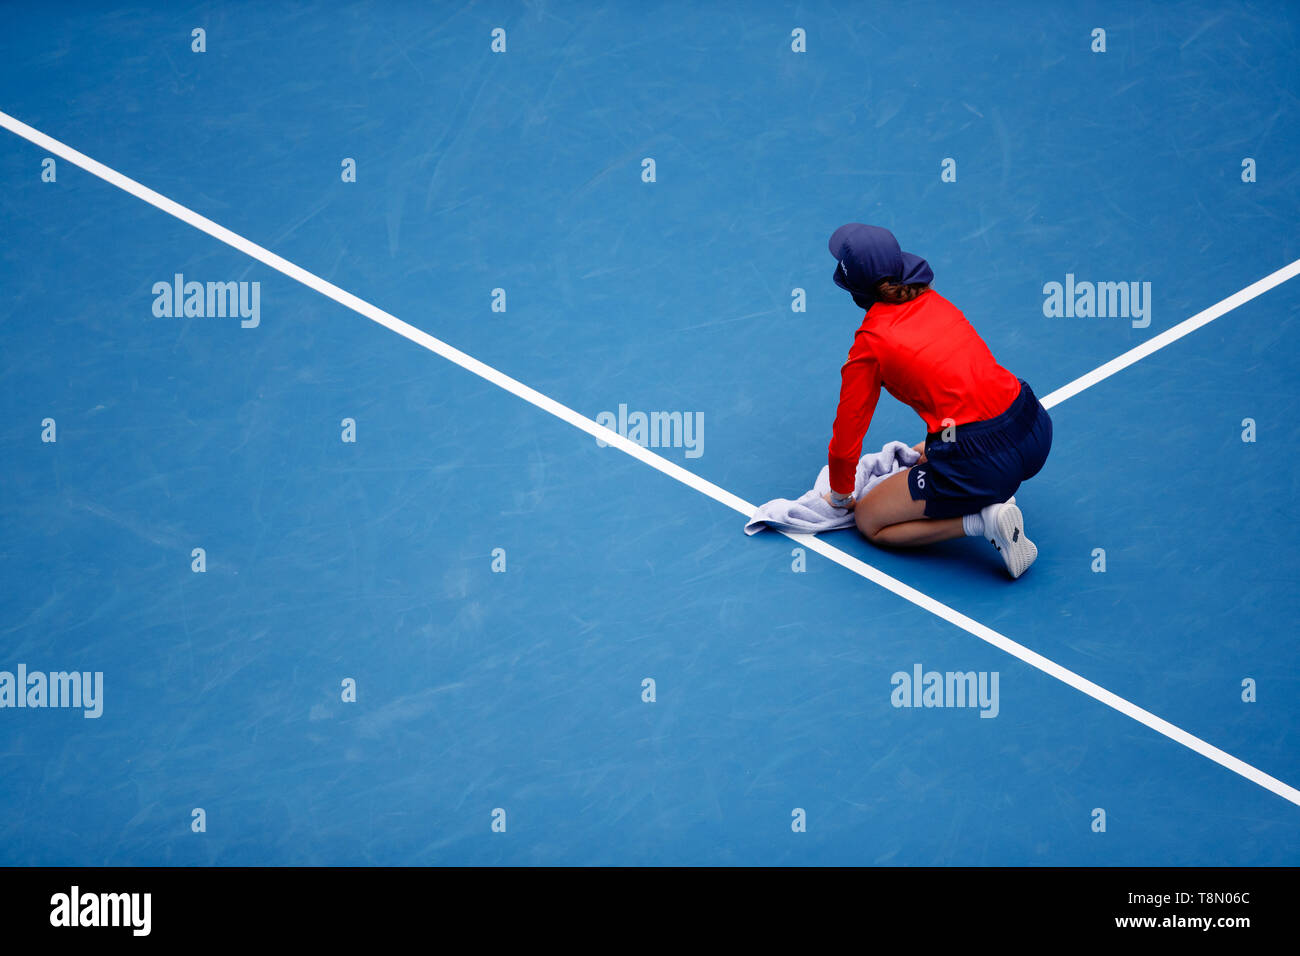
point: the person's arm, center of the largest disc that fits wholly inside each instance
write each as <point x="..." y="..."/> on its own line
<point x="859" y="393"/>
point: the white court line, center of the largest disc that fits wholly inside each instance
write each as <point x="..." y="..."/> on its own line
<point x="721" y="495"/>
<point x="1172" y="334"/>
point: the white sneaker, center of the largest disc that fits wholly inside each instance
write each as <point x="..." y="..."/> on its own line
<point x="1004" y="527"/>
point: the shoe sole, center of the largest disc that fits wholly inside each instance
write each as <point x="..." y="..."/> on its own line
<point x="1017" y="551"/>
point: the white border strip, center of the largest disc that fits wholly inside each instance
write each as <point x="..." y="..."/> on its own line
<point x="721" y="495"/>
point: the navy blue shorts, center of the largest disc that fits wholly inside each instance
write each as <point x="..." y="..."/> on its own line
<point x="985" y="462"/>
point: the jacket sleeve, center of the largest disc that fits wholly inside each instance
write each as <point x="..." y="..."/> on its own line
<point x="859" y="393"/>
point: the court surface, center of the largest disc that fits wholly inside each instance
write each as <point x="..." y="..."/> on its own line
<point x="514" y="696"/>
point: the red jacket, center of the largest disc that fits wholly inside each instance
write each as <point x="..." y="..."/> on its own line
<point x="926" y="355"/>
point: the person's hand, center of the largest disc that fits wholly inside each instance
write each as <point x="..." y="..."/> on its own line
<point x="920" y="447"/>
<point x="849" y="507"/>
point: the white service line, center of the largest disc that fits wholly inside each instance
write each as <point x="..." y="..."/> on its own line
<point x="721" y="495"/>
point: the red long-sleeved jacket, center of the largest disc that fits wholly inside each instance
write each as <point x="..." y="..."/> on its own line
<point x="927" y="356"/>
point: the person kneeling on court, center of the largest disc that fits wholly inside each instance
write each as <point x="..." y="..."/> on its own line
<point x="987" y="432"/>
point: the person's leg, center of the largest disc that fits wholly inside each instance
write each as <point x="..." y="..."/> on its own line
<point x="888" y="515"/>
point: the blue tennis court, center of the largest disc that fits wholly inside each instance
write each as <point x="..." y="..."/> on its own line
<point x="355" y="603"/>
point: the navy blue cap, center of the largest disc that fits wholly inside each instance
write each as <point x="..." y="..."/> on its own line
<point x="867" y="254"/>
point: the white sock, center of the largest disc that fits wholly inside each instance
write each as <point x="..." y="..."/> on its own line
<point x="988" y="517"/>
<point x="973" y="525"/>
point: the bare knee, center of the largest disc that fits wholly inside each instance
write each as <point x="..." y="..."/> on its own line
<point x="866" y="522"/>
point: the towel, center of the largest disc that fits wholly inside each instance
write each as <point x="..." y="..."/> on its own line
<point x="810" y="514"/>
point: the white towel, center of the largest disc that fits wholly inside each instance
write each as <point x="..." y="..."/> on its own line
<point x="810" y="514"/>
